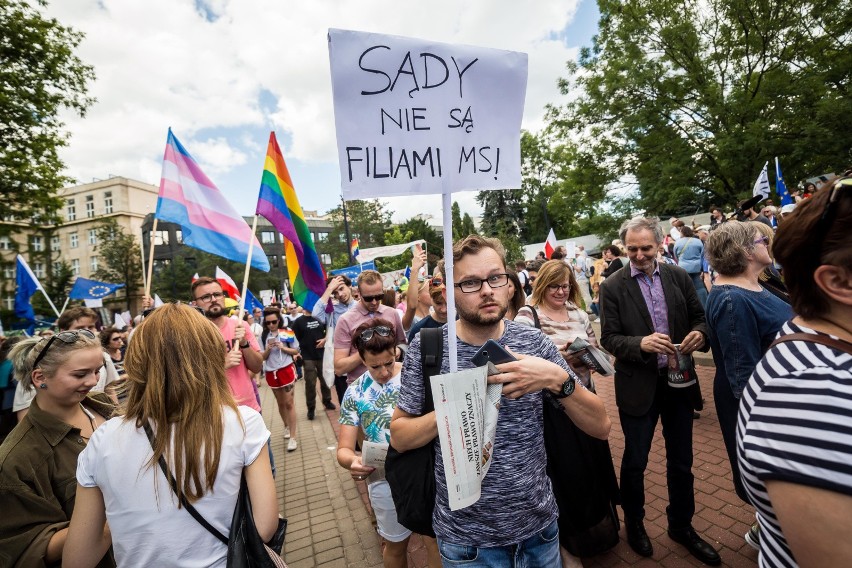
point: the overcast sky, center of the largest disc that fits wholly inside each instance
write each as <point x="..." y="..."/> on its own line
<point x="223" y="73"/>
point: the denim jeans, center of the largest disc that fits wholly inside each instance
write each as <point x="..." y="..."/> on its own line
<point x="538" y="551"/>
<point x="700" y="289"/>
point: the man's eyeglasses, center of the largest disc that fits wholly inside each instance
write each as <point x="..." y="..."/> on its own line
<point x="764" y="240"/>
<point x="376" y="298"/>
<point x="475" y="284"/>
<point x="557" y="287"/>
<point x="368" y="333"/>
<point x="66" y="337"/>
<point x="211" y="296"/>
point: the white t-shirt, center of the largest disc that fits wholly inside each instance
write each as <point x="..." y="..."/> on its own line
<point x="147" y="527"/>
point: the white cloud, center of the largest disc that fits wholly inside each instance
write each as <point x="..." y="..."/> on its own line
<point x="209" y="72"/>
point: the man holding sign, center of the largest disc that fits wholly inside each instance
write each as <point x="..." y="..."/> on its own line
<point x="514" y="521"/>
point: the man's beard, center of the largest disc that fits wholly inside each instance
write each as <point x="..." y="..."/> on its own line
<point x="476" y="317"/>
<point x="214" y="312"/>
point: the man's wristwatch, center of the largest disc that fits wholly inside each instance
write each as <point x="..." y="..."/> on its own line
<point x="244" y="345"/>
<point x="567" y="388"/>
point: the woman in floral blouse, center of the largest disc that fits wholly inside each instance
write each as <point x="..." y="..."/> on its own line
<point x="368" y="405"/>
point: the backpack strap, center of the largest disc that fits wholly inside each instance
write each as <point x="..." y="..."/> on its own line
<point x="823" y="339"/>
<point x="431" y="356"/>
<point x="536" y="321"/>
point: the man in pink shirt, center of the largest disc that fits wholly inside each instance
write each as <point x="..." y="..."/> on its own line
<point x="242" y="352"/>
<point x="347" y="361"/>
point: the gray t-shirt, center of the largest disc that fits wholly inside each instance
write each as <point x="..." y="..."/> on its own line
<point x="517" y="498"/>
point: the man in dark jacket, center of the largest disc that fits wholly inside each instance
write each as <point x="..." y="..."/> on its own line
<point x="647" y="310"/>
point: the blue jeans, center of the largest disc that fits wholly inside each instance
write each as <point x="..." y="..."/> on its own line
<point x="538" y="551"/>
<point x="700" y="289"/>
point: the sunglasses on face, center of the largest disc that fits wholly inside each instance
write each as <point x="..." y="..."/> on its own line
<point x="66" y="337"/>
<point x="763" y="240"/>
<point x="376" y="298"/>
<point x="368" y="333"/>
<point x="271" y="322"/>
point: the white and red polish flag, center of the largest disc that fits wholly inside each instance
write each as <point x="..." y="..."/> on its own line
<point x="550" y="244"/>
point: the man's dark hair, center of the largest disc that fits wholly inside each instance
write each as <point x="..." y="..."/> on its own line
<point x="203" y="281"/>
<point x="331" y="277"/>
<point x="69" y="316"/>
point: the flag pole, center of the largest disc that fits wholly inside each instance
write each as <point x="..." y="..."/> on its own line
<point x="150" y="258"/>
<point x="65" y="305"/>
<point x="49" y="301"/>
<point x="144" y="274"/>
<point x="248" y="266"/>
<point x="448" y="278"/>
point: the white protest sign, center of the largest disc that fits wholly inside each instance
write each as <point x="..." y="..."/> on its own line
<point x="419" y="117"/>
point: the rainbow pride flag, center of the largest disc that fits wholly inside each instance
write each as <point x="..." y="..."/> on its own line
<point x="355" y="249"/>
<point x="287" y="335"/>
<point x="208" y="222"/>
<point x="278" y="203"/>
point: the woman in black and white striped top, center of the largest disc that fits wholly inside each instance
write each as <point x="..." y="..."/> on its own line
<point x="794" y="432"/>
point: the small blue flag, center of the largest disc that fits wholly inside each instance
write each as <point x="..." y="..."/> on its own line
<point x="408" y="272"/>
<point x="26" y="285"/>
<point x="781" y="187"/>
<point x="85" y="289"/>
<point x="252" y="302"/>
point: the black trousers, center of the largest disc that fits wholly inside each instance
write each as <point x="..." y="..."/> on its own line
<point x="674" y="407"/>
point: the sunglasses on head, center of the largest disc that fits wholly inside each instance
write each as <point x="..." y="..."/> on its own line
<point x="368" y="333"/>
<point x="376" y="298"/>
<point x="66" y="337"/>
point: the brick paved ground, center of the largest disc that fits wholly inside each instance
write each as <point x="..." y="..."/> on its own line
<point x="330" y="524"/>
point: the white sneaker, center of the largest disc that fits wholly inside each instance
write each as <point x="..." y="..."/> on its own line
<point x="286" y="432"/>
<point x="292" y="445"/>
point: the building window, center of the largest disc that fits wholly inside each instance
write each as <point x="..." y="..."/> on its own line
<point x="57" y="266"/>
<point x="70" y="210"/>
<point x="161" y="238"/>
<point x="36" y="243"/>
<point x="38" y="269"/>
<point x="73" y="240"/>
<point x="320" y="237"/>
<point x="54" y="243"/>
<point x="75" y="267"/>
<point x="9" y="302"/>
<point x="5" y="243"/>
<point x="90" y="206"/>
<point x="273" y="261"/>
<point x="93" y="264"/>
<point x="8" y="271"/>
<point x="108" y="202"/>
<point x="179" y="237"/>
<point x="325" y="258"/>
<point x="93" y="236"/>
<point x="342" y="237"/>
<point x="267" y="237"/>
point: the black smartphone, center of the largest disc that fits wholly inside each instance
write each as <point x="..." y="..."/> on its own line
<point x="491" y="351"/>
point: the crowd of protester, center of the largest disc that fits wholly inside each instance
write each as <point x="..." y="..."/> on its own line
<point x="111" y="435"/>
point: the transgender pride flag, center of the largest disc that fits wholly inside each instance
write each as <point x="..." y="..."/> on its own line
<point x="209" y="223"/>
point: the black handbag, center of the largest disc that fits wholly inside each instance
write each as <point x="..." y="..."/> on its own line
<point x="411" y="474"/>
<point x="245" y="547"/>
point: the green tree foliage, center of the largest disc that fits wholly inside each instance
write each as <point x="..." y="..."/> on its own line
<point x="40" y="78"/>
<point x="411" y="230"/>
<point x="457" y="221"/>
<point x="369" y="220"/>
<point x="120" y="258"/>
<point x="467" y="226"/>
<point x="690" y="99"/>
<point x="173" y="281"/>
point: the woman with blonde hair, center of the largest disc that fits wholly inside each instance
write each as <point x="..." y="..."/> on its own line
<point x="179" y="408"/>
<point x="39" y="457"/>
<point x="556" y="298"/>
